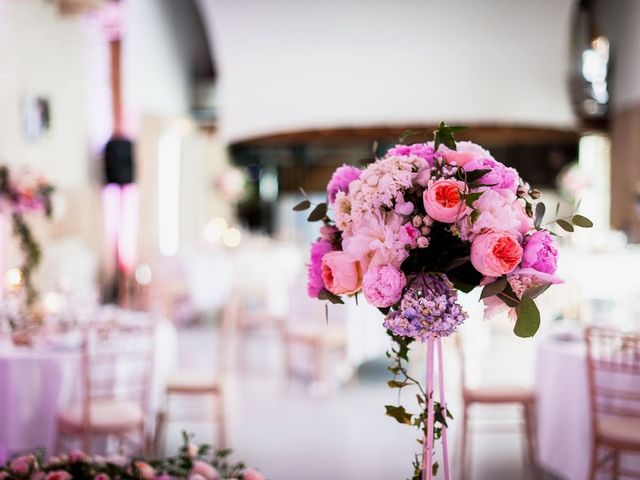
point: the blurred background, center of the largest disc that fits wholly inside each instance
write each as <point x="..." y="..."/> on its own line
<point x="177" y="135"/>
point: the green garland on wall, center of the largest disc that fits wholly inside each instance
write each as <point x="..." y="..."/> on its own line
<point x="22" y="199"/>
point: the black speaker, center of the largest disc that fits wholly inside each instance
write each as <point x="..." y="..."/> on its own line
<point x="118" y="161"/>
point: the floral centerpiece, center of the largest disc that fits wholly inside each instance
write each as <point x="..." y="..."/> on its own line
<point x="416" y="226"/>
<point x="193" y="462"/>
<point x="20" y="195"/>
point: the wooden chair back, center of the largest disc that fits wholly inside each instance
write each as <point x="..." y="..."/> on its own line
<point x="613" y="366"/>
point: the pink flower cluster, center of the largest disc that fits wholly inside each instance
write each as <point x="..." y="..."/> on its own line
<point x="387" y="211"/>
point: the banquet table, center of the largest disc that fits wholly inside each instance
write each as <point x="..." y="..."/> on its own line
<point x="36" y="382"/>
<point x="563" y="412"/>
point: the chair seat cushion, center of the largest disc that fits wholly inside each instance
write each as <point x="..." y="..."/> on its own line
<point x="621" y="431"/>
<point x="499" y="394"/>
<point x="188" y="381"/>
<point x="105" y="417"/>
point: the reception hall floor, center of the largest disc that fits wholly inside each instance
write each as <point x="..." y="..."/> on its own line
<point x="292" y="430"/>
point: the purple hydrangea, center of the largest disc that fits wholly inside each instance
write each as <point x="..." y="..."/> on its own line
<point x="340" y="181"/>
<point x="429" y="308"/>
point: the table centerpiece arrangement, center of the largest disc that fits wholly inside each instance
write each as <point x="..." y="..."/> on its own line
<point x="413" y="228"/>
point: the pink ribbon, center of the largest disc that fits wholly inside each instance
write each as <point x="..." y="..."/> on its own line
<point x="427" y="473"/>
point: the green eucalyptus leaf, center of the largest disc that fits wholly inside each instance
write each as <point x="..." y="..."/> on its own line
<point x="396" y="384"/>
<point x="318" y="213"/>
<point x="494" y="288"/>
<point x="528" y="320"/>
<point x="540" y="209"/>
<point x="581" y="221"/>
<point x="303" y="205"/>
<point x="566" y="226"/>
<point x="557" y="208"/>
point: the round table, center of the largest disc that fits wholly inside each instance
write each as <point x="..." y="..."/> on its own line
<point x="563" y="412"/>
<point x="37" y="382"/>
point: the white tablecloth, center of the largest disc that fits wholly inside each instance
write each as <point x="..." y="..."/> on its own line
<point x="35" y="383"/>
<point x="564" y="425"/>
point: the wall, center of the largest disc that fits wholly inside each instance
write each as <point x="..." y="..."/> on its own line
<point x="619" y="21"/>
<point x="290" y="65"/>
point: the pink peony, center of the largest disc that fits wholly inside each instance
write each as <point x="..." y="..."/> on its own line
<point x="498" y="211"/>
<point x="314" y="269"/>
<point x="205" y="470"/>
<point x="340" y="180"/>
<point x="422" y="150"/>
<point x="383" y="285"/>
<point x="466" y="152"/>
<point x="251" y="474"/>
<point x="500" y="177"/>
<point x="377" y="239"/>
<point x="340" y="273"/>
<point x="39" y="475"/>
<point x="443" y="200"/>
<point x="145" y="470"/>
<point x="22" y="464"/>
<point x="495" y="253"/>
<point x="540" y="253"/>
<point x="58" y="475"/>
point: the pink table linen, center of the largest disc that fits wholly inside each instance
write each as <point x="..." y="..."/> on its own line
<point x="563" y="413"/>
<point x="35" y="383"/>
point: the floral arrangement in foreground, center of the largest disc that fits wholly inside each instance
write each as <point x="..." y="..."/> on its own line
<point x="193" y="462"/>
<point x="419" y="224"/>
<point x="19" y="195"/>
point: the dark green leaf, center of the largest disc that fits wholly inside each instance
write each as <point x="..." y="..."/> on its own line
<point x="557" y="208"/>
<point x="462" y="286"/>
<point x="540" y="209"/>
<point x="528" y="320"/>
<point x="475" y="175"/>
<point x="384" y="311"/>
<point x="581" y="221"/>
<point x="469" y="198"/>
<point x="566" y="226"/>
<point x="494" y="288"/>
<point x="455" y="263"/>
<point x="399" y="413"/>
<point x="509" y="297"/>
<point x="327" y="295"/>
<point x="474" y="216"/>
<point x="318" y="213"/>
<point x="303" y="205"/>
<point x="536" y="291"/>
<point x="396" y="384"/>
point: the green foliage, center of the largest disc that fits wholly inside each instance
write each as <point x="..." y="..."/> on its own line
<point x="566" y="226"/>
<point x="581" y="221"/>
<point x="540" y="209"/>
<point x="528" y="320"/>
<point x="303" y="205"/>
<point x="444" y="135"/>
<point x="327" y="295"/>
<point x="318" y="213"/>
<point x="494" y="288"/>
<point x="399" y="355"/>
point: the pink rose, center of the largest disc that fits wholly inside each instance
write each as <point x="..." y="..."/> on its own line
<point x="251" y="474"/>
<point x="22" y="464"/>
<point x="465" y="153"/>
<point x="340" y="273"/>
<point x="205" y="470"/>
<point x="443" y="200"/>
<point x="382" y="285"/>
<point x="495" y="253"/>
<point x="540" y="253"/>
<point x="77" y="456"/>
<point x="58" y="475"/>
<point x="145" y="470"/>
